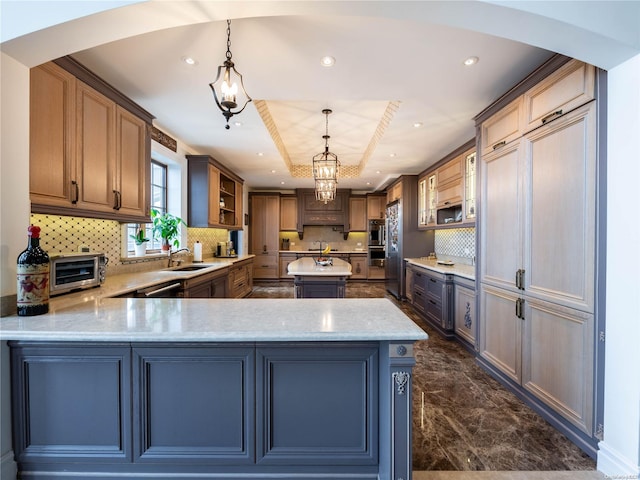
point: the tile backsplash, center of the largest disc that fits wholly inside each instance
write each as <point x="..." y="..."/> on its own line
<point x="456" y="243"/>
<point x="334" y="237"/>
<point x="62" y="234"/>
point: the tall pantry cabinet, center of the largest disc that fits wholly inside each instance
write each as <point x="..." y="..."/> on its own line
<point x="538" y="247"/>
<point x="264" y="223"/>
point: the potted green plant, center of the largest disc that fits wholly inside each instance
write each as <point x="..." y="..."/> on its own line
<point x="140" y="242"/>
<point x="167" y="228"/>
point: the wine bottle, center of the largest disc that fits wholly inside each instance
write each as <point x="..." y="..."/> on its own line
<point x="33" y="277"/>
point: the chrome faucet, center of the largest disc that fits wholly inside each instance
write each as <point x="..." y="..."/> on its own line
<point x="171" y="254"/>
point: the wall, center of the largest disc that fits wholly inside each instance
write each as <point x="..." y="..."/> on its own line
<point x="620" y="451"/>
<point x="14" y="219"/>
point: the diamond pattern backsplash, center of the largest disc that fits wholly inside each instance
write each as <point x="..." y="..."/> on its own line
<point x="456" y="242"/>
<point x="62" y="234"/>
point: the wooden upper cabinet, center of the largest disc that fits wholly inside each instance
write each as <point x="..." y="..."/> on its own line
<point x="52" y="136"/>
<point x="358" y="214"/>
<point x="569" y="87"/>
<point x="96" y="150"/>
<point x="394" y="192"/>
<point x="502" y="128"/>
<point x="450" y="183"/>
<point x="214" y="194"/>
<point x="376" y="206"/>
<point x="89" y="155"/>
<point x="132" y="168"/>
<point x="289" y="213"/>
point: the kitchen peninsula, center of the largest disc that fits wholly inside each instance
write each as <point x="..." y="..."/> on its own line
<point x="319" y="277"/>
<point x="249" y="388"/>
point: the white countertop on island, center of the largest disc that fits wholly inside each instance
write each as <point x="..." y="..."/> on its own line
<point x="218" y="320"/>
<point x="307" y="267"/>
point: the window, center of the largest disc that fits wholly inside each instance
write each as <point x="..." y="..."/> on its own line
<point x="158" y="202"/>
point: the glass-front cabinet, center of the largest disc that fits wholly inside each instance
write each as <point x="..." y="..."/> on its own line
<point x="447" y="193"/>
<point x="427" y="199"/>
<point x="470" y="187"/>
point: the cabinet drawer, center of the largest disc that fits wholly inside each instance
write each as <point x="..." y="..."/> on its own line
<point x="502" y="128"/>
<point x="433" y="286"/>
<point x="419" y="300"/>
<point x="569" y="87"/>
<point x="433" y="309"/>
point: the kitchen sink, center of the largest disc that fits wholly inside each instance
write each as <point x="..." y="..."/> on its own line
<point x="187" y="268"/>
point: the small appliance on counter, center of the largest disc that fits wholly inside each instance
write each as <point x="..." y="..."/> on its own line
<point x="221" y="251"/>
<point x="76" y="271"/>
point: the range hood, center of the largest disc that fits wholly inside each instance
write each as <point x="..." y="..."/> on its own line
<point x="312" y="212"/>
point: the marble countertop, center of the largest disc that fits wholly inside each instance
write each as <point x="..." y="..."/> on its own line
<point x="461" y="270"/>
<point x="315" y="252"/>
<point x="306" y="266"/>
<point x="116" y="285"/>
<point x="218" y="320"/>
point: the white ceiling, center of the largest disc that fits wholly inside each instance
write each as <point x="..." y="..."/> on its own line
<point x="398" y="56"/>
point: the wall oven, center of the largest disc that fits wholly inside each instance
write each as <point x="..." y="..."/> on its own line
<point x="376" y="232"/>
<point x="376" y="255"/>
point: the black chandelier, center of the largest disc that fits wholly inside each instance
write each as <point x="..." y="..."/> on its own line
<point x="227" y="98"/>
<point x="325" y="168"/>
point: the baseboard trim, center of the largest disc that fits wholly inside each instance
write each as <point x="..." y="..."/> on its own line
<point x="615" y="465"/>
<point x="8" y="466"/>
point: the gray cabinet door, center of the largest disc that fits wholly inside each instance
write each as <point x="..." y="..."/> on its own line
<point x="560" y="210"/>
<point x="195" y="404"/>
<point x="465" y="314"/>
<point x="501" y="218"/>
<point x="501" y="332"/>
<point x="71" y="403"/>
<point x="557" y="360"/>
<point x="317" y="405"/>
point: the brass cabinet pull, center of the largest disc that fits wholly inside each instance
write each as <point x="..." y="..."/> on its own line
<point x="499" y="144"/>
<point x="551" y="116"/>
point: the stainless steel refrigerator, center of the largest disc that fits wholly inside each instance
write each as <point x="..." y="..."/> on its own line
<point x="403" y="239"/>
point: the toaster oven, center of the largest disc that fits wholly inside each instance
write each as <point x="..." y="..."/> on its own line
<point x="76" y="271"/>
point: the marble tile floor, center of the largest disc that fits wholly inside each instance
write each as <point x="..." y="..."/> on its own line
<point x="463" y="419"/>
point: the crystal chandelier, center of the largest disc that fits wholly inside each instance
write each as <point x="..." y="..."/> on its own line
<point x="326" y="168"/>
<point x="227" y="97"/>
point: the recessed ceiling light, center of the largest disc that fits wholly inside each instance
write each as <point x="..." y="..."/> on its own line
<point x="282" y="183"/>
<point x="417" y="124"/>
<point x="327" y="61"/>
<point x="471" y="61"/>
<point x="190" y="61"/>
<point x="237" y="124"/>
<point x="378" y="171"/>
<point x="273" y="171"/>
<point x="368" y="183"/>
<point x="392" y="155"/>
<point x="260" y="154"/>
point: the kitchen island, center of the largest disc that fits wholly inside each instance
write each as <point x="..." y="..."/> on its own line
<point x="314" y="280"/>
<point x="210" y="389"/>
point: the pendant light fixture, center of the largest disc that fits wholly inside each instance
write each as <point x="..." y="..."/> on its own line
<point x="227" y="95"/>
<point x="326" y="168"/>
